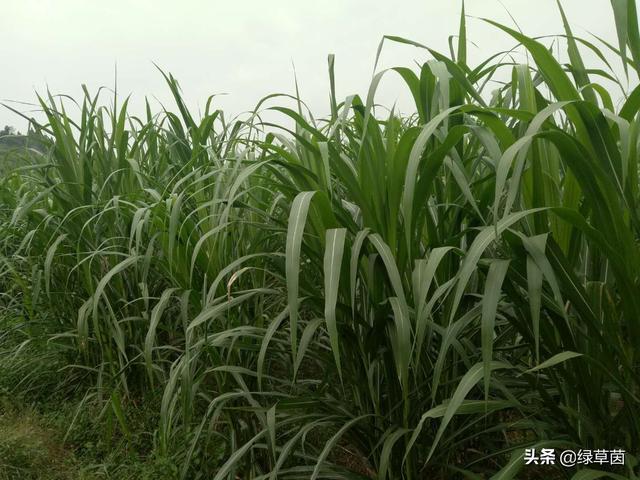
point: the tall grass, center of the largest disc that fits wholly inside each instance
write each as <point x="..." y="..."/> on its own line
<point x="357" y="296"/>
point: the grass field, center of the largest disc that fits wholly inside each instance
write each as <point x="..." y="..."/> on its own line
<point x="366" y="295"/>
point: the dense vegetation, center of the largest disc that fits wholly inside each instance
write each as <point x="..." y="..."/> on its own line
<point x="359" y="296"/>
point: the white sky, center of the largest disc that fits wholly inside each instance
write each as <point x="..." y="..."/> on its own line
<point x="246" y="48"/>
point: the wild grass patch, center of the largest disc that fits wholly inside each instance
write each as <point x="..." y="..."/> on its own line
<point x="366" y="295"/>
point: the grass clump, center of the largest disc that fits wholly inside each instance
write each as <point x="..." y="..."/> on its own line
<point x="51" y="440"/>
<point x="30" y="450"/>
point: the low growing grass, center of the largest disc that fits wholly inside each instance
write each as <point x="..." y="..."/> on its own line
<point x="30" y="451"/>
<point x="36" y="442"/>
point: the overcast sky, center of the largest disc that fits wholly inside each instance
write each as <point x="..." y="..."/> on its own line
<point x="246" y="48"/>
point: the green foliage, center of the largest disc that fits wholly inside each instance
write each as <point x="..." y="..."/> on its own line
<point x="33" y="445"/>
<point x="26" y="453"/>
<point x="350" y="297"/>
